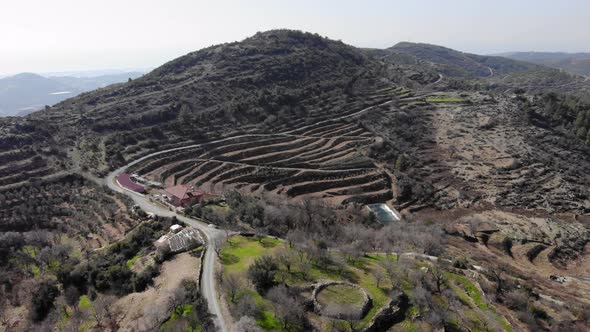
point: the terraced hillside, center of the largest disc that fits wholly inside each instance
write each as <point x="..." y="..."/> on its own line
<point x="421" y="63"/>
<point x="27" y="151"/>
<point x="326" y="159"/>
<point x="441" y="135"/>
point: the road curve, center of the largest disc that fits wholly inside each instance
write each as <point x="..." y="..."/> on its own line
<point x="440" y="78"/>
<point x="208" y="287"/>
<point x="207" y="282"/>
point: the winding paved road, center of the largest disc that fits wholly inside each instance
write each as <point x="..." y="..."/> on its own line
<point x="208" y="287"/>
<point x="440" y="78"/>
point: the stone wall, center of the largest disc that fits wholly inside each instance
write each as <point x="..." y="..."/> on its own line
<point x="320" y="310"/>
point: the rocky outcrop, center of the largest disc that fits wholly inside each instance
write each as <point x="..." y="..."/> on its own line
<point x="393" y="313"/>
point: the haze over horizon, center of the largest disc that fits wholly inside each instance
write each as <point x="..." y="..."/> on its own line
<point x="131" y="34"/>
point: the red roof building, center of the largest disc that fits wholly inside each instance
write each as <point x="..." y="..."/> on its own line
<point x="181" y="195"/>
<point x="124" y="180"/>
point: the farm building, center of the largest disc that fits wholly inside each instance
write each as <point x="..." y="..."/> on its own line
<point x="184" y="239"/>
<point x="181" y="195"/>
<point x="384" y="213"/>
<point x="125" y="181"/>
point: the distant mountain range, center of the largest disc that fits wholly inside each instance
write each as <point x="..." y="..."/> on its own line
<point x="25" y="93"/>
<point x="574" y="63"/>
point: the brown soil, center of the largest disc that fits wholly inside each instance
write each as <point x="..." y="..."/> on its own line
<point x="139" y="306"/>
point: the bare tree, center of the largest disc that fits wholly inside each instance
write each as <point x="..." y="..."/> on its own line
<point x="232" y="284"/>
<point x="497" y="275"/>
<point x="4" y="318"/>
<point x="348" y="313"/>
<point x="392" y="270"/>
<point x="285" y="257"/>
<point x="438" y="277"/>
<point x="379" y="276"/>
<point x="218" y="244"/>
<point x="153" y="316"/>
<point x="286" y="307"/>
<point x="247" y="324"/>
<point x="420" y="297"/>
<point x="305" y="269"/>
<point x="246" y="306"/>
<point x="107" y="314"/>
<point x="309" y="212"/>
<point x="340" y="262"/>
<point x="219" y="274"/>
<point x="177" y="297"/>
<point x="296" y="237"/>
<point x="351" y="251"/>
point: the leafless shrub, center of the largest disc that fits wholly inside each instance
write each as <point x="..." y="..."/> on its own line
<point x="232" y="285"/>
<point x="247" y="324"/>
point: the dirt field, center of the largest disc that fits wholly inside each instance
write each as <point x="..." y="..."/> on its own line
<point x="146" y="307"/>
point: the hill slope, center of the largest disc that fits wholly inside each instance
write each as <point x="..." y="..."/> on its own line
<point x="296" y="118"/>
<point x="575" y="63"/>
<point x="272" y="83"/>
<point x="455" y="63"/>
<point x="252" y="85"/>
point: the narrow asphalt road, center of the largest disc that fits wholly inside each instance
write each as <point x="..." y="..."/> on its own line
<point x="440" y="78"/>
<point x="208" y="287"/>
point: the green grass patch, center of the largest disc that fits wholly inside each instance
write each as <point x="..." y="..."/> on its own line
<point x="86" y="325"/>
<point x="472" y="291"/>
<point x="460" y="293"/>
<point x="358" y="273"/>
<point x="229" y="259"/>
<point x="500" y="319"/>
<point x="181" y="311"/>
<point x="240" y="252"/>
<point x="132" y="261"/>
<point x="408" y="326"/>
<point x="340" y="294"/>
<point x="380" y="257"/>
<point x="236" y="256"/>
<point x="221" y="208"/>
<point x="31" y="251"/>
<point x="444" y="99"/>
<point x="35" y="270"/>
<point x="413" y="312"/>
<point x="369" y="284"/>
<point x="53" y="265"/>
<point x="268" y="321"/>
<point x="84" y="302"/>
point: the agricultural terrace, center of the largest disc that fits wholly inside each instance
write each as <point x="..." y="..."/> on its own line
<point x="295" y="271"/>
<point x="321" y="156"/>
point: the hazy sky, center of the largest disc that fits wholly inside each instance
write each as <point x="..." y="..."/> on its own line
<point x="61" y="35"/>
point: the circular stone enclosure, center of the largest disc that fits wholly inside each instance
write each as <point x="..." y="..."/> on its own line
<point x="342" y="301"/>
